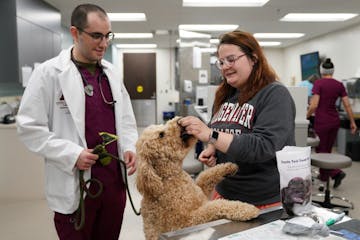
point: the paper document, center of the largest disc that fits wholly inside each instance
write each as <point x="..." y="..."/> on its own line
<point x="271" y="231"/>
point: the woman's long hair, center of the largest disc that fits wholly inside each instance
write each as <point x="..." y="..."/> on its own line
<point x="261" y="75"/>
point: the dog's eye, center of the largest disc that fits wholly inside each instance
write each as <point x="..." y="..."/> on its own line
<point x="161" y="134"/>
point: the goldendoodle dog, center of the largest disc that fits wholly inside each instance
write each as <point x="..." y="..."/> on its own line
<point x="171" y="198"/>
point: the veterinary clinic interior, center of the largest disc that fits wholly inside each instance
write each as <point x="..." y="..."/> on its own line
<point x="168" y="65"/>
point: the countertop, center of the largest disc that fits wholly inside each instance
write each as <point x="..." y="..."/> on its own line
<point x="21" y="171"/>
<point x="345" y="122"/>
<point x="343" y="114"/>
<point x="8" y="126"/>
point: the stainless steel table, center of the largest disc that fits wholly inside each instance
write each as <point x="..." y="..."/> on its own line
<point x="225" y="227"/>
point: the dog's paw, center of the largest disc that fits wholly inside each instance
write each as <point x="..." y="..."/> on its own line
<point x="235" y="210"/>
<point x="231" y="168"/>
<point x="245" y="211"/>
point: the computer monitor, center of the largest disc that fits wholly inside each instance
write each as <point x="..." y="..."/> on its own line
<point x="310" y="63"/>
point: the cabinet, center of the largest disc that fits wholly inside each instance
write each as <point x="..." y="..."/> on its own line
<point x="32" y="34"/>
<point x="348" y="143"/>
<point x="21" y="171"/>
<point x="299" y="95"/>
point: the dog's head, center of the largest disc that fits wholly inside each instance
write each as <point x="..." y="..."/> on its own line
<point x="298" y="191"/>
<point x="161" y="149"/>
<point x="164" y="142"/>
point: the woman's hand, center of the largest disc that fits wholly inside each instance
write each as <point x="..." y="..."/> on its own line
<point x="353" y="127"/>
<point x="194" y="126"/>
<point x="207" y="156"/>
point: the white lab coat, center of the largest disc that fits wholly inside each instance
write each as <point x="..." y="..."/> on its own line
<point x="51" y="122"/>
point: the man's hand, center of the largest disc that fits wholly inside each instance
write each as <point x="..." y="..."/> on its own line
<point x="130" y="161"/>
<point x="86" y="159"/>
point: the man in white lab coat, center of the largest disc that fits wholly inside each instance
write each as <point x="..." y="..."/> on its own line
<point x="68" y="101"/>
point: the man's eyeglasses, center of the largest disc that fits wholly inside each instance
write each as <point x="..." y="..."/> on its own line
<point x="228" y="61"/>
<point x="96" y="36"/>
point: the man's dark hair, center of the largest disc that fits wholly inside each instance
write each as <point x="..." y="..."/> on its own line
<point x="79" y="15"/>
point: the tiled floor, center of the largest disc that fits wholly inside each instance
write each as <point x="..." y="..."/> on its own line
<point x="32" y="219"/>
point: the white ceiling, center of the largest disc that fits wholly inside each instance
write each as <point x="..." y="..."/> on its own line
<point x="168" y="14"/>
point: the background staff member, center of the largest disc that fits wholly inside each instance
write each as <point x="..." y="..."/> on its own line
<point x="253" y="117"/>
<point x="68" y="101"/>
<point x="327" y="121"/>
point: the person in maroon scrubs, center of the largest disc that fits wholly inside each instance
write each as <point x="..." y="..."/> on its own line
<point x="327" y="121"/>
<point x="70" y="99"/>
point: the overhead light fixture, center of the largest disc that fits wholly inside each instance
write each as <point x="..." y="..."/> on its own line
<point x="224" y="3"/>
<point x="190" y="34"/>
<point x="126" y="17"/>
<point x="208" y="50"/>
<point x="278" y="35"/>
<point x="162" y="32"/>
<point x="269" y="44"/>
<point x="192" y="44"/>
<point x="214" y="41"/>
<point x="208" y="27"/>
<point x="133" y="35"/>
<point x="318" y="17"/>
<point x="136" y="45"/>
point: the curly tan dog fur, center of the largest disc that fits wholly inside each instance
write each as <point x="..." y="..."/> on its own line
<point x="171" y="199"/>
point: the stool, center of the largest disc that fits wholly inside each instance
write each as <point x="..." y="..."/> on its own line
<point x="331" y="161"/>
<point x="312" y="141"/>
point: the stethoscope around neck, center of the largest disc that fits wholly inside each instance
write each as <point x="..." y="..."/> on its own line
<point x="88" y="88"/>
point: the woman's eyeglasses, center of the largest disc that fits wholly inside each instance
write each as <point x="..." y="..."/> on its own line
<point x="227" y="61"/>
<point x="96" y="36"/>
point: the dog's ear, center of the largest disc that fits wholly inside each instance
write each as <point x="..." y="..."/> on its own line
<point x="147" y="181"/>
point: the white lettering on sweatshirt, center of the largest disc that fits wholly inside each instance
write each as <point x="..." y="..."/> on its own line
<point x="233" y="113"/>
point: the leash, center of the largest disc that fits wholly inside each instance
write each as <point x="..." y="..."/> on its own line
<point x="105" y="159"/>
<point x="83" y="188"/>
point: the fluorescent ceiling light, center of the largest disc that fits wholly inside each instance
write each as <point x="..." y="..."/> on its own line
<point x="162" y="32"/>
<point x="224" y="3"/>
<point x="127" y="17"/>
<point x="136" y="45"/>
<point x="190" y="34"/>
<point x="214" y="41"/>
<point x="134" y="35"/>
<point x="317" y="17"/>
<point x="278" y="35"/>
<point x="192" y="44"/>
<point x="269" y="44"/>
<point x="208" y="27"/>
<point x="208" y="50"/>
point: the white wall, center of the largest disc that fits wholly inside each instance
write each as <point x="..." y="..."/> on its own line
<point x="165" y="77"/>
<point x="275" y="57"/>
<point x="342" y="47"/>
